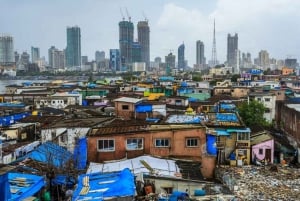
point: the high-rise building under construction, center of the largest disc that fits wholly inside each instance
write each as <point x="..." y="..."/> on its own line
<point x="126" y="31"/>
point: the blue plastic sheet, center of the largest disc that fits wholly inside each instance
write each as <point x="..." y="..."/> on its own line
<point x="80" y="154"/>
<point x="4" y="190"/>
<point x="35" y="183"/>
<point x="211" y="144"/>
<point x="50" y="153"/>
<point x="101" y="186"/>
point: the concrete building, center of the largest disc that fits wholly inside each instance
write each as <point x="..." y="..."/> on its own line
<point x="232" y="47"/>
<point x="6" y="49"/>
<point x="99" y="56"/>
<point x="143" y="31"/>
<point x="84" y="60"/>
<point x="56" y="58"/>
<point x="263" y="59"/>
<point x="170" y="60"/>
<point x="200" y="59"/>
<point x="73" y="50"/>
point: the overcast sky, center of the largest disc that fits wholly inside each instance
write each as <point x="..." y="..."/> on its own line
<point x="272" y="25"/>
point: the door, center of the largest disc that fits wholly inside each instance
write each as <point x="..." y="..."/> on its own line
<point x="268" y="156"/>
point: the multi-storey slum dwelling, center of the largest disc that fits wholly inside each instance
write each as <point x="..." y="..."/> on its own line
<point x="183" y="141"/>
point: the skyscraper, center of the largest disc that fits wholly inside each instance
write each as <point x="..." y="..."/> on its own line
<point x="200" y="60"/>
<point x="35" y="54"/>
<point x="73" y="50"/>
<point x="6" y="49"/>
<point x="136" y="52"/>
<point x="144" y="40"/>
<point x="181" y="61"/>
<point x="126" y="31"/>
<point x="232" y="48"/>
<point x="114" y="60"/>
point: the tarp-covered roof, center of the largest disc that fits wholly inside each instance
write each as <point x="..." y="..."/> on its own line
<point x="101" y="186"/>
<point x="24" y="185"/>
<point x="50" y="153"/>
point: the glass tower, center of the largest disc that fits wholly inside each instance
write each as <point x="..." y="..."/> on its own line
<point x="73" y="50"/>
<point x="35" y="54"/>
<point x="114" y="60"/>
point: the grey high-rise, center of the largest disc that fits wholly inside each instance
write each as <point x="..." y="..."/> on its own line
<point x="126" y="31"/>
<point x="232" y="48"/>
<point x="73" y="50"/>
<point x="181" y="61"/>
<point x="6" y="49"/>
<point x="200" y="60"/>
<point x="99" y="56"/>
<point x="144" y="40"/>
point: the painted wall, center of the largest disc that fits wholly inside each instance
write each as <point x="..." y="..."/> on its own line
<point x="264" y="145"/>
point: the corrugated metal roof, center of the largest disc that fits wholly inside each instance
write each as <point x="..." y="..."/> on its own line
<point x="294" y="106"/>
<point x="128" y="100"/>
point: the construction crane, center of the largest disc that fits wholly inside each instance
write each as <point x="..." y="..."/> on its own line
<point x="129" y="18"/>
<point x="145" y="17"/>
<point x="123" y="18"/>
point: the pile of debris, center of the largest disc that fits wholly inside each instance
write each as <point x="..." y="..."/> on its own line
<point x="274" y="182"/>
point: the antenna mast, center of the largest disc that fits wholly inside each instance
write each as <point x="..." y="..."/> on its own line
<point x="214" y="49"/>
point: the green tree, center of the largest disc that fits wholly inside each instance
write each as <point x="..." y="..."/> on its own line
<point x="235" y="77"/>
<point x="197" y="77"/>
<point x="253" y="113"/>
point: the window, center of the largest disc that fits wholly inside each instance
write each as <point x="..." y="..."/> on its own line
<point x="258" y="99"/>
<point x="125" y="107"/>
<point x="106" y="145"/>
<point x="191" y="142"/>
<point x="260" y="151"/>
<point x="267" y="99"/>
<point x="134" y="144"/>
<point x="243" y="136"/>
<point x="164" y="142"/>
<point x="177" y="102"/>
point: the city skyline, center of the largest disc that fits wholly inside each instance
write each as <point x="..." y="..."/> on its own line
<point x="261" y="25"/>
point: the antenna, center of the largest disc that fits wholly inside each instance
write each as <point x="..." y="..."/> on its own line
<point x="214" y="49"/>
<point x="129" y="18"/>
<point x="123" y="18"/>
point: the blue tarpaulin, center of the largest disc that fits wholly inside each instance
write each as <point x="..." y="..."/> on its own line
<point x="80" y="154"/>
<point x="4" y="187"/>
<point x="11" y="119"/>
<point x="63" y="180"/>
<point x="50" y="153"/>
<point x="211" y="144"/>
<point x="106" y="185"/>
<point x="143" y="108"/>
<point x="33" y="184"/>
